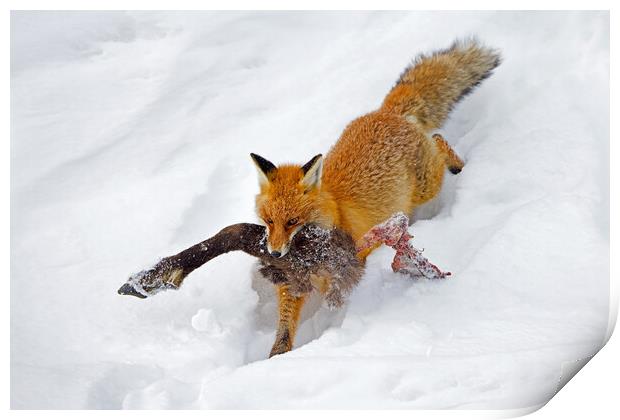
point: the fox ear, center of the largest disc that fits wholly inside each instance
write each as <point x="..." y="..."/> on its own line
<point x="312" y="172"/>
<point x="264" y="168"/>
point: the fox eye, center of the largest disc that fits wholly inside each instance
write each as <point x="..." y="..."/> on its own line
<point x="292" y="222"/>
<point x="269" y="221"/>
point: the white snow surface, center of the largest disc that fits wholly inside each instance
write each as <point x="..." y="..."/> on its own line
<point x="130" y="141"/>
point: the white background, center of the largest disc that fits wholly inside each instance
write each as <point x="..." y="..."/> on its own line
<point x="569" y="384"/>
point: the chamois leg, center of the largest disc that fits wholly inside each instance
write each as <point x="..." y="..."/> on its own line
<point x="408" y="260"/>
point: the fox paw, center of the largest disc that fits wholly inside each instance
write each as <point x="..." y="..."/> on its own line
<point x="282" y="345"/>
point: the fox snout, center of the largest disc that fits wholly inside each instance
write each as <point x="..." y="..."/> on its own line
<point x="279" y="238"/>
<point x="278" y="243"/>
<point x="278" y="254"/>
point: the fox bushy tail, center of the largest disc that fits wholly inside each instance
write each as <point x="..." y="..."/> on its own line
<point x="431" y="85"/>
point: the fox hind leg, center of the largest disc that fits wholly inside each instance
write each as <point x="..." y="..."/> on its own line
<point x="453" y="161"/>
<point x="433" y="157"/>
<point x="289" y="307"/>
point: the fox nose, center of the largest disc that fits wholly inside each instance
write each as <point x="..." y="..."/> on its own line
<point x="276" y="254"/>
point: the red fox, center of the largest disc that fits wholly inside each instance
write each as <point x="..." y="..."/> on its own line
<point x="384" y="162"/>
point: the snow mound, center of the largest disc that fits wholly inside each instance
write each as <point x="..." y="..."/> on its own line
<point x="206" y="321"/>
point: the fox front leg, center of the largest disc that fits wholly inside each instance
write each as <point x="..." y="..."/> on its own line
<point x="289" y="307"/>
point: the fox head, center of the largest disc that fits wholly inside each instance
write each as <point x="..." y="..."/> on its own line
<point x="287" y="199"/>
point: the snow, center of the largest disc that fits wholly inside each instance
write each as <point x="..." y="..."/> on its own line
<point x="205" y="321"/>
<point x="130" y="141"/>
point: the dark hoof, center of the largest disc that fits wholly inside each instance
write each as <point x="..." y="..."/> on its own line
<point x="127" y="289"/>
<point x="455" y="170"/>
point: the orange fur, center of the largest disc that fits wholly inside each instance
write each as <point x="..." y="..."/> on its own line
<point x="289" y="307"/>
<point x="384" y="162"/>
<point x="454" y="162"/>
<point x="284" y="198"/>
